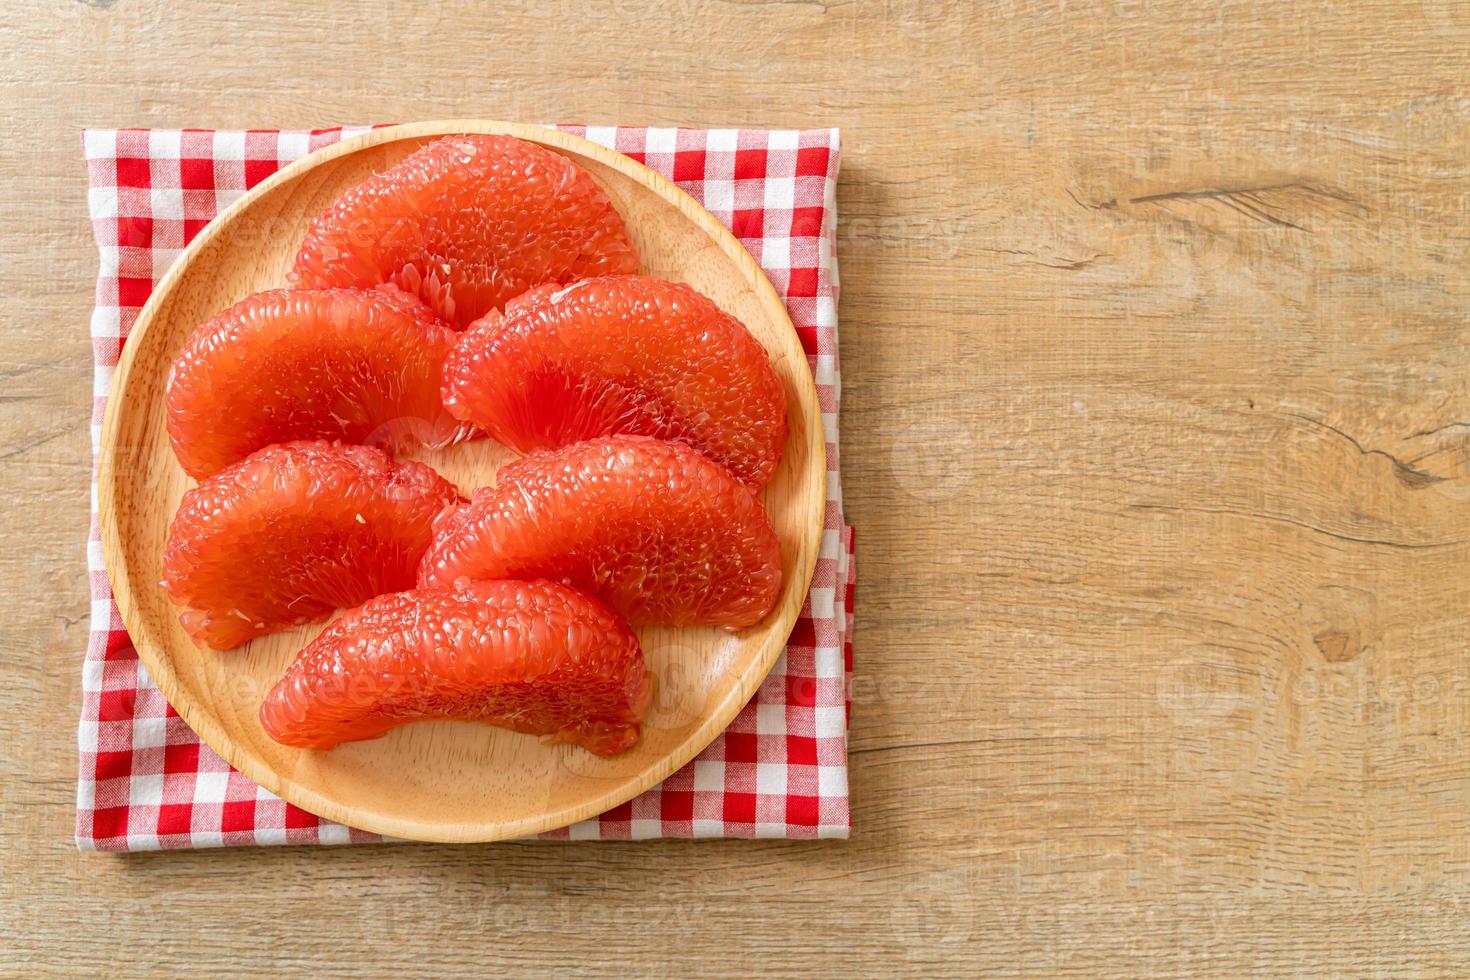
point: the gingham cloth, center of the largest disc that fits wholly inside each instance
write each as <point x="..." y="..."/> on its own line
<point x="779" y="770"/>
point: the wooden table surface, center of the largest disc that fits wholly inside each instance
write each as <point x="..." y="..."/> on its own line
<point x="1156" y="434"/>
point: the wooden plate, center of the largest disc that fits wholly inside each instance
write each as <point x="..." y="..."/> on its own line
<point x="441" y="781"/>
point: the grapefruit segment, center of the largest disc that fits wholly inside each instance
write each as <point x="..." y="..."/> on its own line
<point x="351" y="364"/>
<point x="293" y="532"/>
<point x="466" y="223"/>
<point x="621" y="354"/>
<point x="659" y="532"/>
<point x="534" y="657"/>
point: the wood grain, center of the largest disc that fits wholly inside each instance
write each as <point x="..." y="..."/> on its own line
<point x="1154" y="434"/>
<point x="442" y="781"/>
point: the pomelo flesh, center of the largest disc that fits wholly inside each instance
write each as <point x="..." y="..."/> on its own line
<point x="293" y="532"/>
<point x="621" y="355"/>
<point x="357" y="365"/>
<point x="661" y="533"/>
<point x="534" y="657"/>
<point x="467" y="223"/>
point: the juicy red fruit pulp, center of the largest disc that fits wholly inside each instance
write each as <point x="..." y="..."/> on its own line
<point x="467" y="223"/>
<point x="293" y="532"/>
<point x="359" y="365"/>
<point x="534" y="657"/>
<point x="621" y="355"/>
<point x="659" y="532"/>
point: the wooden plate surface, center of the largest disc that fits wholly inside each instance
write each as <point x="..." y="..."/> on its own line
<point x="440" y="781"/>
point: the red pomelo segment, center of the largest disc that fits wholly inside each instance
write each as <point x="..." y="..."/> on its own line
<point x="654" y="529"/>
<point x="293" y="532"/>
<point x="621" y="354"/>
<point x="360" y="365"/>
<point x="534" y="657"/>
<point x="466" y="223"/>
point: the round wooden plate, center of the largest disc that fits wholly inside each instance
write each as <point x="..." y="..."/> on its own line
<point x="440" y="781"/>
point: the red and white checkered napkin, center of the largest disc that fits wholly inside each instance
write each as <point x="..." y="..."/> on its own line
<point x="780" y="770"/>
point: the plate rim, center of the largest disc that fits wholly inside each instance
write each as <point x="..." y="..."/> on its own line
<point x="203" y="722"/>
